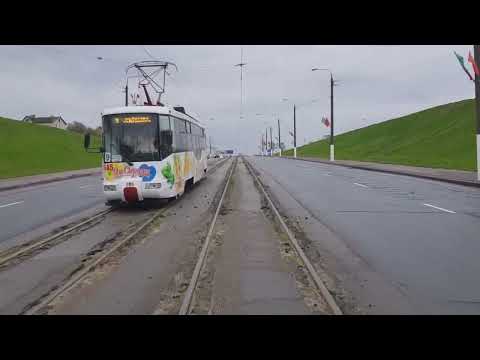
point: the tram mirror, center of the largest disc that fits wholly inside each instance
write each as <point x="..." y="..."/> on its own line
<point x="86" y="141"/>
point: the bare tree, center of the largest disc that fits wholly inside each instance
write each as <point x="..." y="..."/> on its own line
<point x="78" y="127"/>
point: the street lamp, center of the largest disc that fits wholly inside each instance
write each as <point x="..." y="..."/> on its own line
<point x="266" y="138"/>
<point x="294" y="129"/>
<point x="279" y="138"/>
<point x="332" y="83"/>
<point x="295" y="123"/>
<point x="275" y="116"/>
<point x="476" y="54"/>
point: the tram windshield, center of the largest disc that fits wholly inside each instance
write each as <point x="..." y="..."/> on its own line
<point x="136" y="137"/>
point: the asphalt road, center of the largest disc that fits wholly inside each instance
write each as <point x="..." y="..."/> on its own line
<point x="420" y="236"/>
<point x="26" y="209"/>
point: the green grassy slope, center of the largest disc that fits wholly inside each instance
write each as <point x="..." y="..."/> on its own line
<point x="439" y="137"/>
<point x="28" y="149"/>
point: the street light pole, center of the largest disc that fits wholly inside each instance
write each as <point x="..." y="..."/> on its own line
<point x="332" y="84"/>
<point x="476" y="55"/>
<point x="294" y="133"/>
<point x="271" y="142"/>
<point x="279" y="139"/>
<point x="266" y="144"/>
<point x="332" y="145"/>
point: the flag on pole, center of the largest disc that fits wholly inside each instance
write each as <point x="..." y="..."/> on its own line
<point x="462" y="63"/>
<point x="325" y="122"/>
<point x="290" y="133"/>
<point x="471" y="60"/>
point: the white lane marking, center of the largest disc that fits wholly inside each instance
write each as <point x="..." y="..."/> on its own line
<point x="439" y="208"/>
<point x="361" y="185"/>
<point x="85" y="186"/>
<point x="14" y="203"/>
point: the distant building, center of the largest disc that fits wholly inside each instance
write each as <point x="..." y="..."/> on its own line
<point x="52" y="121"/>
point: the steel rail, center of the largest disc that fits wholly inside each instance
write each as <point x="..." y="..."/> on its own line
<point x="90" y="266"/>
<point x="311" y="269"/>
<point x="39" y="244"/>
<point x="187" y="299"/>
<point x="8" y="257"/>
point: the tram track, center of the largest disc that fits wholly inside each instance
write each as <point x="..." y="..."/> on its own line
<point x="187" y="303"/>
<point x="312" y="272"/>
<point x="16" y="254"/>
<point x="85" y="268"/>
<point x="24" y="251"/>
<point x="189" y="294"/>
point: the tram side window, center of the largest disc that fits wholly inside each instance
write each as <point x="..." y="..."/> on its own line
<point x="194" y="137"/>
<point x="189" y="136"/>
<point x="166" y="138"/>
<point x="179" y="135"/>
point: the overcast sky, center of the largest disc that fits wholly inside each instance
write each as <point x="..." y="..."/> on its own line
<point x="376" y="83"/>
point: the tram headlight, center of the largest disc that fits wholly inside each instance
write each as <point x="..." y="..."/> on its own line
<point x="109" y="187"/>
<point x="150" y="186"/>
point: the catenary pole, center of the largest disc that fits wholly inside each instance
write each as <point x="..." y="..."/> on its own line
<point x="271" y="142"/>
<point x="332" y="145"/>
<point x="266" y="140"/>
<point x="279" y="139"/>
<point x="294" y="133"/>
<point x="476" y="55"/>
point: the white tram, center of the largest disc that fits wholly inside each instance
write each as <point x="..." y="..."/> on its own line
<point x="151" y="152"/>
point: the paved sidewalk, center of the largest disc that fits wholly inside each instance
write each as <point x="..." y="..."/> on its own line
<point x="25" y="181"/>
<point x="467" y="178"/>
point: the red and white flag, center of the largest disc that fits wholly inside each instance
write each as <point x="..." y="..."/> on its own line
<point x="471" y="60"/>
<point x="325" y="122"/>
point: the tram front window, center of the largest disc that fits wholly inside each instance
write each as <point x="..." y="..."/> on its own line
<point x="133" y="137"/>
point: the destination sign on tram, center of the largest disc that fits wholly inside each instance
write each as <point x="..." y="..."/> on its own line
<point x="132" y="120"/>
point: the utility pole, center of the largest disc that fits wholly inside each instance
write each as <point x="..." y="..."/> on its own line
<point x="294" y="133"/>
<point x="264" y="146"/>
<point x="271" y="142"/>
<point x="476" y="56"/>
<point x="241" y="65"/>
<point x="332" y="145"/>
<point x="279" y="139"/>
<point x="332" y="84"/>
<point x="266" y="140"/>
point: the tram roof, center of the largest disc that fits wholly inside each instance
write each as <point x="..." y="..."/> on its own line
<point x="162" y="110"/>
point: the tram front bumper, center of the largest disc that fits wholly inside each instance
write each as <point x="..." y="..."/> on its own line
<point x="132" y="191"/>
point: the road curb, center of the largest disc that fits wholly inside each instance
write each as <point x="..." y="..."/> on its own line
<point x="396" y="172"/>
<point x="46" y="181"/>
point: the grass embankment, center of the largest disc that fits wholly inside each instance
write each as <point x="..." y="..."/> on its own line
<point x="439" y="137"/>
<point x="29" y="149"/>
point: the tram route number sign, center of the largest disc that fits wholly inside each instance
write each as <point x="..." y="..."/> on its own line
<point x="132" y="120"/>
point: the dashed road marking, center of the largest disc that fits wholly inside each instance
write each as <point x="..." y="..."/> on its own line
<point x="439" y="208"/>
<point x="85" y="186"/>
<point x="11" y="204"/>
<point x="361" y="185"/>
